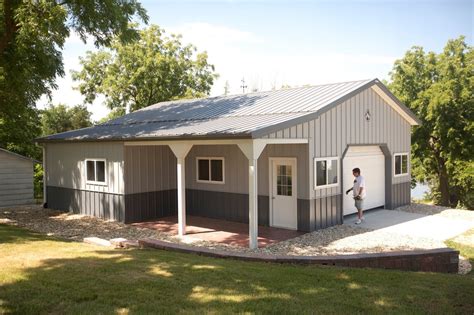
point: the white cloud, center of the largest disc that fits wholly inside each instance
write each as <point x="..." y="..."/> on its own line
<point x="237" y="53"/>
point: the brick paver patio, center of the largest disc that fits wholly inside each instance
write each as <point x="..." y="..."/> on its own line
<point x="232" y="233"/>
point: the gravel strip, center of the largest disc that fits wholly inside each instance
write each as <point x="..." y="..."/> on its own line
<point x="336" y="240"/>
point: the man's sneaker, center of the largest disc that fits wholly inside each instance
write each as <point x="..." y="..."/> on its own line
<point x="358" y="221"/>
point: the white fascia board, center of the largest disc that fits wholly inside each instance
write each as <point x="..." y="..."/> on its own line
<point x="394" y="105"/>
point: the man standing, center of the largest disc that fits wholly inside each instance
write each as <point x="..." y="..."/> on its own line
<point x="359" y="192"/>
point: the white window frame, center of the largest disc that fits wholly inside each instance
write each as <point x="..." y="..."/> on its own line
<point x="93" y="182"/>
<point x="408" y="164"/>
<point x="210" y="158"/>
<point x="315" y="179"/>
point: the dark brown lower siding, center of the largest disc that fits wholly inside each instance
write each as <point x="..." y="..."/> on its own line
<point x="328" y="212"/>
<point x="303" y="215"/>
<point x="150" y="205"/>
<point x="158" y="204"/>
<point x="103" y="205"/>
<point x="401" y="195"/>
<point x="225" y="206"/>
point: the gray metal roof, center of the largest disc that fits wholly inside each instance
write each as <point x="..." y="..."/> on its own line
<point x="222" y="116"/>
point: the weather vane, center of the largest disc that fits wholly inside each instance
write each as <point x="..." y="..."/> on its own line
<point x="243" y="86"/>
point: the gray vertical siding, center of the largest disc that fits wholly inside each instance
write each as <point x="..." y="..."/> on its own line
<point x="66" y="165"/>
<point x="149" y="168"/>
<point x="339" y="127"/>
<point x="235" y="168"/>
<point x="298" y="151"/>
<point x="145" y="176"/>
<point x="150" y="183"/>
<point x="16" y="180"/>
<point x="400" y="195"/>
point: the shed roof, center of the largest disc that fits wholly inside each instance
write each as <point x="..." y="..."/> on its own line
<point x="244" y="115"/>
<point x="19" y="156"/>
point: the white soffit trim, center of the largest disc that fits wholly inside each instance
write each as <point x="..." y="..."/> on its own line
<point x="394" y="105"/>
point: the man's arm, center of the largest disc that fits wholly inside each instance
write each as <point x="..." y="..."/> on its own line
<point x="349" y="190"/>
<point x="360" y="191"/>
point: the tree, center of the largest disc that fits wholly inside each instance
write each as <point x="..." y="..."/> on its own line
<point x="439" y="89"/>
<point x="113" y="114"/>
<point x="153" y="69"/>
<point x="60" y="118"/>
<point x="32" y="34"/>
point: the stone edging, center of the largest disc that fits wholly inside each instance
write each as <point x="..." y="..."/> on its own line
<point x="434" y="260"/>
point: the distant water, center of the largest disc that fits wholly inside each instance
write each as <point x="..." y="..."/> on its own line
<point x="419" y="191"/>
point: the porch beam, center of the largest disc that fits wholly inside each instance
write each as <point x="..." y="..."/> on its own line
<point x="216" y="142"/>
<point x="252" y="151"/>
<point x="180" y="151"/>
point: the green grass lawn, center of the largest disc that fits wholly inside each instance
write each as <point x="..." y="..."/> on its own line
<point x="464" y="249"/>
<point x="39" y="274"/>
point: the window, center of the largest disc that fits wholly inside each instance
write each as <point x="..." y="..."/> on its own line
<point x="95" y="171"/>
<point x="284" y="180"/>
<point x="401" y="164"/>
<point x="210" y="170"/>
<point x="326" y="172"/>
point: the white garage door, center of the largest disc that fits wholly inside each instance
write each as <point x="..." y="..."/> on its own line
<point x="371" y="162"/>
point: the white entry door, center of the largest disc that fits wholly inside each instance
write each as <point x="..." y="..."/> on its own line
<point x="371" y="162"/>
<point x="283" y="197"/>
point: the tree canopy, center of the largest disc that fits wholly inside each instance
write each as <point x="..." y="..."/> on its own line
<point x="152" y="69"/>
<point x="439" y="89"/>
<point x="32" y="35"/>
<point x="60" y="118"/>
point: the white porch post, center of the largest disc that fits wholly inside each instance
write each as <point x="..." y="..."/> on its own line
<point x="180" y="150"/>
<point x="252" y="151"/>
<point x="253" y="203"/>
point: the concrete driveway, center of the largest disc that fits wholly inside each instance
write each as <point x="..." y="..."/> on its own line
<point x="412" y="224"/>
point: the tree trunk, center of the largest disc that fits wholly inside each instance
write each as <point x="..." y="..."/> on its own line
<point x="443" y="183"/>
<point x="9" y="25"/>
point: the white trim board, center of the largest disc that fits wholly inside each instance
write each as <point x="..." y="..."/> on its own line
<point x="393" y="104"/>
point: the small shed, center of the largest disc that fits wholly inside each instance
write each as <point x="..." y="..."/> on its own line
<point x="277" y="158"/>
<point x="16" y="179"/>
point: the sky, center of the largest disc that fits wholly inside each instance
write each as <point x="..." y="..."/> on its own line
<point x="275" y="43"/>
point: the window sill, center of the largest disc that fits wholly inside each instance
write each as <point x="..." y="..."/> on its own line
<point x="326" y="186"/>
<point x="210" y="182"/>
<point x="96" y="183"/>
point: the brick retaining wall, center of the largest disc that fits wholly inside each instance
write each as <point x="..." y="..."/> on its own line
<point x="435" y="260"/>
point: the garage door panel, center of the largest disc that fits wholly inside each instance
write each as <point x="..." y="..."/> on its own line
<point x="371" y="161"/>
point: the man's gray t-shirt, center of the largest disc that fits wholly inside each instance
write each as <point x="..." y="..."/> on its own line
<point x="359" y="182"/>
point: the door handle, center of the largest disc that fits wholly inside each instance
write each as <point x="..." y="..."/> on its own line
<point x="273" y="197"/>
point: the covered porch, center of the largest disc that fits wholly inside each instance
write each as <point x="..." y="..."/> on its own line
<point x="212" y="229"/>
<point x="219" y="231"/>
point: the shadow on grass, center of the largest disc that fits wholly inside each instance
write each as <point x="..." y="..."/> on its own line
<point x="78" y="278"/>
<point x="11" y="234"/>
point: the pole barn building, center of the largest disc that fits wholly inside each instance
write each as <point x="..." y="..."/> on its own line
<point x="279" y="158"/>
<point x="16" y="179"/>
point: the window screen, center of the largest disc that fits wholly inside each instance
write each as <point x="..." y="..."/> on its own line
<point x="216" y="170"/>
<point x="284" y="180"/>
<point x="398" y="164"/>
<point x="90" y="165"/>
<point x="321" y="176"/>
<point x="203" y="169"/>
<point x="100" y="171"/>
<point x="327" y="172"/>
